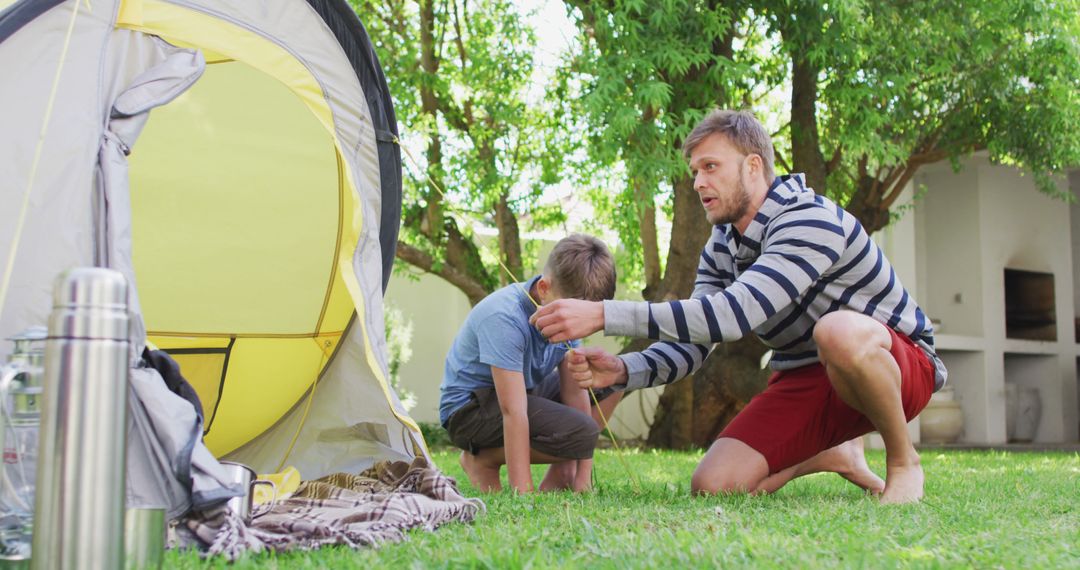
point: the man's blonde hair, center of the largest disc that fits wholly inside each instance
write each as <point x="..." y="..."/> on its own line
<point x="582" y="267"/>
<point x="742" y="130"/>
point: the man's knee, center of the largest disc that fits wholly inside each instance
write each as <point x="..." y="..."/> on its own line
<point x="847" y="337"/>
<point x="730" y="466"/>
<point x="717" y="481"/>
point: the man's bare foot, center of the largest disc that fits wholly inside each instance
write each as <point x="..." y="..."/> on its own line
<point x="853" y="466"/>
<point x="903" y="484"/>
<point x="846" y="460"/>
<point x="560" y="476"/>
<point x="484" y="478"/>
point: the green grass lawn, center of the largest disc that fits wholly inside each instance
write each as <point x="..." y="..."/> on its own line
<point x="982" y="510"/>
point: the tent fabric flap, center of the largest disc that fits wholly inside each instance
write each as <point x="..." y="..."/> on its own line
<point x="168" y="464"/>
<point x="175" y="71"/>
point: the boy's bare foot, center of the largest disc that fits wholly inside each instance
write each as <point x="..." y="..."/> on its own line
<point x="585" y="487"/>
<point x="903" y="483"/>
<point x="560" y="476"/>
<point x="483" y="477"/>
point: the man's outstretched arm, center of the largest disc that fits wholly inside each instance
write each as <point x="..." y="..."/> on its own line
<point x="659" y="364"/>
<point x="799" y="251"/>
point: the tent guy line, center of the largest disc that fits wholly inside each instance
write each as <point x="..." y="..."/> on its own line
<point x="9" y="267"/>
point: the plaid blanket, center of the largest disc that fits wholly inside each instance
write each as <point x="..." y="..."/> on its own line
<point x="376" y="506"/>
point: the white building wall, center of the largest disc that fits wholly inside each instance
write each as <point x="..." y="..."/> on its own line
<point x="436" y="310"/>
<point x="972" y="225"/>
<point x="951" y="289"/>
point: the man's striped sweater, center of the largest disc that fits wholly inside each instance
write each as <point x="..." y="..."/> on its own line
<point x="801" y="257"/>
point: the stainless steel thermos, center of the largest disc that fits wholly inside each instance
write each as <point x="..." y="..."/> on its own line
<point x="79" y="500"/>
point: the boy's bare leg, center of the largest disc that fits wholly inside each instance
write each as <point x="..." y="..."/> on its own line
<point x="573" y="474"/>
<point x="581" y="399"/>
<point x="582" y="479"/>
<point x="483" y="467"/>
<point x="855" y="351"/>
<point x="559" y="476"/>
<point x="583" y="476"/>
<point x="482" y="474"/>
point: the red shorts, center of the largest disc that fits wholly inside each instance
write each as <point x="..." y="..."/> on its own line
<point x="799" y="414"/>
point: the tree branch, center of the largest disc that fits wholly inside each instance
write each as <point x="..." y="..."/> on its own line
<point x="509" y="235"/>
<point x="834" y="162"/>
<point x="779" y="159"/>
<point x="418" y="258"/>
<point x="458" y="40"/>
<point x="782" y="128"/>
<point x="392" y="21"/>
<point x="460" y="119"/>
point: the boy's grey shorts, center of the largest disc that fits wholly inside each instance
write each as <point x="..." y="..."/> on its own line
<point x="554" y="428"/>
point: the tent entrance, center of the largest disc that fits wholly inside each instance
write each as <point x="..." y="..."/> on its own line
<point x="240" y="152"/>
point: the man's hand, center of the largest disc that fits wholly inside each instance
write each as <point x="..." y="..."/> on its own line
<point x="568" y="319"/>
<point x="577" y="369"/>
<point x="596" y="368"/>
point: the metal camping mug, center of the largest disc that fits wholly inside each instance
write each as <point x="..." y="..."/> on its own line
<point x="241" y="474"/>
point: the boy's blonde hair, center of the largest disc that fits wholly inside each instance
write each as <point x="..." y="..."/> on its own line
<point x="581" y="267"/>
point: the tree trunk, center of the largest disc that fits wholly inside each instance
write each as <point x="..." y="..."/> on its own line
<point x="866" y="205"/>
<point x="806" y="154"/>
<point x="689" y="233"/>
<point x="649" y="248"/>
<point x="509" y="240"/>
<point x="432" y="224"/>
<point x="692" y="411"/>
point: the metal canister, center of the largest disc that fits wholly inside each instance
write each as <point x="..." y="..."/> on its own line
<point x="79" y="503"/>
<point x="20" y="398"/>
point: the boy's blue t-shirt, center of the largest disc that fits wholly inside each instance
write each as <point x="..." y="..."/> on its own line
<point x="497" y="333"/>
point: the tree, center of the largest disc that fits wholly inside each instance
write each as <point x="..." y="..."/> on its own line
<point x="649" y="73"/>
<point x="880" y="89"/>
<point x="877" y="91"/>
<point x="459" y="73"/>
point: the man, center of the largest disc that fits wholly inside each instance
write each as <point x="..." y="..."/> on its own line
<point x="852" y="352"/>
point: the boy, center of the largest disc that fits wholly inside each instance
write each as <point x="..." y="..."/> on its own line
<point x="509" y="396"/>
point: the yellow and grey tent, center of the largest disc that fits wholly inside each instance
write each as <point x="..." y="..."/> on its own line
<point x="236" y="160"/>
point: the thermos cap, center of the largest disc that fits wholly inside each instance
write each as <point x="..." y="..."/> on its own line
<point x="92" y="287"/>
<point x="89" y="302"/>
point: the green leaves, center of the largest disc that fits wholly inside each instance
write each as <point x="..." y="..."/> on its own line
<point x="462" y="75"/>
<point x="898" y="85"/>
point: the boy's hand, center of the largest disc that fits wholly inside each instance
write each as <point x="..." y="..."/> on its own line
<point x="604" y="368"/>
<point x="568" y="319"/>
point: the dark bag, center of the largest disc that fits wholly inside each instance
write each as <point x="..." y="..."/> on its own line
<point x="170" y="371"/>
